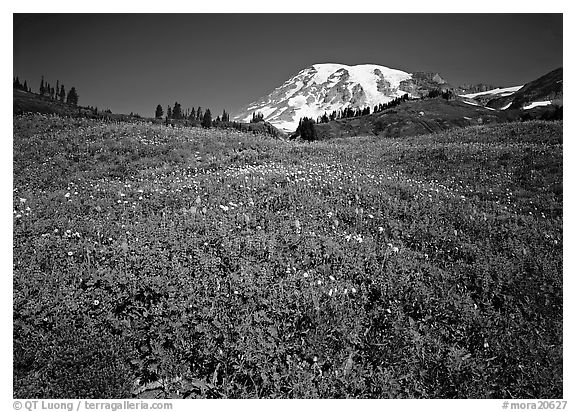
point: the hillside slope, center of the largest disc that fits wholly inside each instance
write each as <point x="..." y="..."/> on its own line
<point x="413" y="118"/>
<point x="544" y="90"/>
<point x="25" y="102"/>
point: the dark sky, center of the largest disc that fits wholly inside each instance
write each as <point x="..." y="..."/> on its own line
<point x="132" y="62"/>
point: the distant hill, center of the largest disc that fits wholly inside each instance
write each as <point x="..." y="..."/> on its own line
<point x="413" y="118"/>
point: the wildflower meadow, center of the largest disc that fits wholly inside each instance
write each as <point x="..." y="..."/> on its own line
<point x="166" y="262"/>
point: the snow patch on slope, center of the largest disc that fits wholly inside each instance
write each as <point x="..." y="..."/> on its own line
<point x="536" y="104"/>
<point x="504" y="91"/>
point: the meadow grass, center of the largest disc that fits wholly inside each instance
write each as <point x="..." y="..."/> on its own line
<point x="212" y="263"/>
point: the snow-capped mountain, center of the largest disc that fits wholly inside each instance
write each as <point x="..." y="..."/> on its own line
<point x="323" y="88"/>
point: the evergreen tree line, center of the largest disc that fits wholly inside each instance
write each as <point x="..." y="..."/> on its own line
<point x="57" y="93"/>
<point x="392" y="103"/>
<point x="257" y="117"/>
<point x="343" y="114"/>
<point x="197" y="117"/>
<point x="19" y="86"/>
<point x="349" y="112"/>
<point x="445" y="94"/>
<point x="203" y="118"/>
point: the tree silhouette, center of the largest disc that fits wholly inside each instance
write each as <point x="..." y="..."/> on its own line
<point x="62" y="94"/>
<point x="177" y="111"/>
<point x="159" y="112"/>
<point x="207" y="119"/>
<point x="72" y="97"/>
<point x="306" y="129"/>
<point x="225" y="116"/>
<point x="257" y="117"/>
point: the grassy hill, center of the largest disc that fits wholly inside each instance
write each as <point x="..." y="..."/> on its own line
<point x="25" y="102"/>
<point x="152" y="261"/>
<point x="412" y="118"/>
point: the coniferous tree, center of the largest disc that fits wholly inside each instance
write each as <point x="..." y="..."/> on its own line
<point x="42" y="86"/>
<point x="177" y="111"/>
<point x="207" y="119"/>
<point x="62" y="94"/>
<point x="447" y="95"/>
<point x="25" y="86"/>
<point x="306" y="129"/>
<point x="72" y="97"/>
<point x="159" y="112"/>
<point x="169" y="113"/>
<point x="199" y="113"/>
<point x="257" y="117"/>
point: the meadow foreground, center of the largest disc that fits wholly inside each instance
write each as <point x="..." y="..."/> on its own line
<point x="164" y="262"/>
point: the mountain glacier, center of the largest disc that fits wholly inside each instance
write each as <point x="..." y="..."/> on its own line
<point x="327" y="87"/>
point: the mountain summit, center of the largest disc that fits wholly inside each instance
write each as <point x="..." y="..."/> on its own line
<point x="327" y="87"/>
